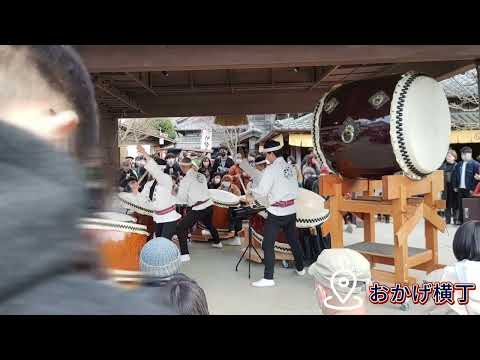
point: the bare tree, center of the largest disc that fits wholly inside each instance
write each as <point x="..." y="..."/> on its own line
<point x="231" y="136"/>
<point x="136" y="130"/>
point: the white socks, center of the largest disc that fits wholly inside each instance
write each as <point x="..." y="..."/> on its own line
<point x="263" y="283"/>
<point x="301" y="273"/>
<point x="185" y="258"/>
<point x="236" y="241"/>
<point x="218" y="246"/>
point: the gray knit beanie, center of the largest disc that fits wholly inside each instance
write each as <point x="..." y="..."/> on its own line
<point x="160" y="257"/>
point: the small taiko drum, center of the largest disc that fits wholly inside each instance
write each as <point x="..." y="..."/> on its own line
<point x="223" y="201"/>
<point x="311" y="213"/>
<point x="119" y="242"/>
<point x="377" y="127"/>
<point x="142" y="211"/>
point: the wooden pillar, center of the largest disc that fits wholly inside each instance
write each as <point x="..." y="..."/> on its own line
<point x="401" y="243"/>
<point x="369" y="227"/>
<point x="431" y="234"/>
<point x="109" y="146"/>
<point x="336" y="230"/>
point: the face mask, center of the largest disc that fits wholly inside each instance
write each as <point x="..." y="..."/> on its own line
<point x="226" y="184"/>
<point x="238" y="161"/>
<point x="170" y="162"/>
<point x="216" y="180"/>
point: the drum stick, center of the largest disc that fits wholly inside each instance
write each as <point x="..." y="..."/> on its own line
<point x="243" y="186"/>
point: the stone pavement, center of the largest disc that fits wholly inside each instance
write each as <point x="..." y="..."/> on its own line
<point x="229" y="292"/>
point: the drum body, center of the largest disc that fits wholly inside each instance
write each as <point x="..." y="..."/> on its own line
<point x="119" y="243"/>
<point x="371" y="128"/>
<point x="257" y="223"/>
<point x="223" y="201"/>
<point x="146" y="220"/>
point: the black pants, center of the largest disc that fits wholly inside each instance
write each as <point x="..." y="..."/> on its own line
<point x="166" y="230"/>
<point x="205" y="216"/>
<point x="273" y="224"/>
<point x="452" y="204"/>
<point x="461" y="194"/>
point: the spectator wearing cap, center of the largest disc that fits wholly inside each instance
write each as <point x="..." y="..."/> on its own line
<point x="352" y="277"/>
<point x="463" y="181"/>
<point x="160" y="257"/>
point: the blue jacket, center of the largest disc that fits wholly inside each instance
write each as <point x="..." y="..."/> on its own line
<point x="471" y="169"/>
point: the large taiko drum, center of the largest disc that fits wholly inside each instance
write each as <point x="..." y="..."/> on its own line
<point x="223" y="201"/>
<point x="311" y="213"/>
<point x="141" y="211"/>
<point x="119" y="241"/>
<point x="371" y="128"/>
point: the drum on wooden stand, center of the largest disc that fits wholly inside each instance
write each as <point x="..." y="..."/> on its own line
<point x="377" y="127"/>
<point x="119" y="241"/>
<point x="223" y="201"/>
<point x="142" y="211"/>
<point x="311" y="214"/>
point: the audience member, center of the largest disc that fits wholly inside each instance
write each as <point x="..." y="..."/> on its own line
<point x="463" y="180"/>
<point x="466" y="248"/>
<point x="206" y="168"/>
<point x="448" y="193"/>
<point x="47" y="103"/>
<point x="215" y="181"/>
<point x="344" y="264"/>
<point x="222" y="163"/>
<point x="239" y="177"/>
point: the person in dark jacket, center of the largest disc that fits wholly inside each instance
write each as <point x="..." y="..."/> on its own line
<point x="172" y="167"/>
<point x="463" y="179"/>
<point x="206" y="168"/>
<point x="448" y="193"/>
<point x="222" y="163"/>
<point x="215" y="181"/>
<point x="46" y="264"/>
<point x="126" y="172"/>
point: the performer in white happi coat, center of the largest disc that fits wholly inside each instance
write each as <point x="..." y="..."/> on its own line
<point x="193" y="192"/>
<point x="159" y="192"/>
<point x="279" y="186"/>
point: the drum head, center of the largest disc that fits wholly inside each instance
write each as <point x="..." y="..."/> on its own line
<point x="420" y="125"/>
<point x="135" y="203"/>
<point x="311" y="210"/>
<point x="221" y="197"/>
<point x="110" y="215"/>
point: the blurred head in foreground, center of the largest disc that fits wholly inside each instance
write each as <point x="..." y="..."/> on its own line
<point x="341" y="281"/>
<point x="184" y="295"/>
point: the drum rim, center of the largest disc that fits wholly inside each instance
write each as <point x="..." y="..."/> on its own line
<point x="112" y="225"/>
<point x="96" y="214"/>
<point x="223" y="202"/>
<point x="136" y="207"/>
<point x="397" y="137"/>
<point x="315" y="132"/>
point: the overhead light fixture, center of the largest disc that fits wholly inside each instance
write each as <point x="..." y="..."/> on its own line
<point x="165" y="73"/>
<point x="296" y="69"/>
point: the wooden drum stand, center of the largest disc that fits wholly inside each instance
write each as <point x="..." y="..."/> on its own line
<point x="407" y="201"/>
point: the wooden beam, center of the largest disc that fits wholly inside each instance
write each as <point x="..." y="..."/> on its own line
<point x="229" y="104"/>
<point x="328" y="71"/>
<point x="139" y="80"/>
<point x="141" y="58"/>
<point x="107" y="87"/>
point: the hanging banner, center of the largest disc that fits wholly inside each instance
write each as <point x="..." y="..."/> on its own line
<point x="206" y="141"/>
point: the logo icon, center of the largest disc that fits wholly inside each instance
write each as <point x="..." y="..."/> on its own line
<point x="343" y="284"/>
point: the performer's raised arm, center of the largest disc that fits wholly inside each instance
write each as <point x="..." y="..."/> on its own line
<point x="154" y="169"/>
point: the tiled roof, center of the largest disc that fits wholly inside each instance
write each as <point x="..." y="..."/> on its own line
<point x="303" y="124"/>
<point x="465" y="120"/>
